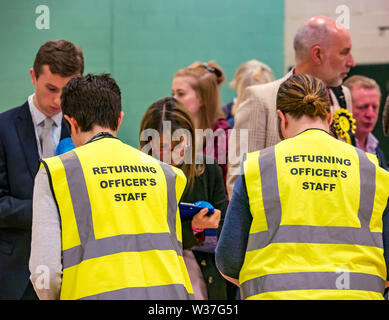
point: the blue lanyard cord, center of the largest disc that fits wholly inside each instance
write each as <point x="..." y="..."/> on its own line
<point x="101" y="135"/>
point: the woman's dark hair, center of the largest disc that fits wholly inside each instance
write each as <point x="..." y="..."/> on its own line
<point x="171" y="110"/>
<point x="303" y="94"/>
<point x="92" y="100"/>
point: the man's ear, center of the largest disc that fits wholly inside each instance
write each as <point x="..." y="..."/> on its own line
<point x="120" y="120"/>
<point x="74" y="127"/>
<point x="283" y="122"/>
<point x="317" y="54"/>
<point x="33" y="77"/>
<point x="330" y="116"/>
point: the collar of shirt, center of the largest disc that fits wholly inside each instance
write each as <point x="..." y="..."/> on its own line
<point x="371" y="143"/>
<point x="38" y="117"/>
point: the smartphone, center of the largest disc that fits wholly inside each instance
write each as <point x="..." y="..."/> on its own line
<point x="188" y="210"/>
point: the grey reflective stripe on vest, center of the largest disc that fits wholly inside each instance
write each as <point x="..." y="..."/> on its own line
<point x="111" y="245"/>
<point x="171" y="204"/>
<point x="270" y="191"/>
<point x="367" y="172"/>
<point x="93" y="248"/>
<point x="314" y="234"/>
<point x="79" y="195"/>
<point x="168" y="292"/>
<point x="312" y="281"/>
<point x="277" y="233"/>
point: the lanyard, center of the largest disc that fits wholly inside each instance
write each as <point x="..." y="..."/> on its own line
<point x="101" y="135"/>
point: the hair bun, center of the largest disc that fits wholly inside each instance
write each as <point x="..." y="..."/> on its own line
<point x="313" y="106"/>
<point x="309" y="99"/>
<point x="303" y="94"/>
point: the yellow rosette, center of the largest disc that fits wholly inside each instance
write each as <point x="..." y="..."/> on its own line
<point x="344" y="124"/>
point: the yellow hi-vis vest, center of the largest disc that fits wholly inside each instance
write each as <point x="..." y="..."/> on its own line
<point x="121" y="228"/>
<point x="316" y="233"/>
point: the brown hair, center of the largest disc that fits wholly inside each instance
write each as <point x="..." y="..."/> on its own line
<point x="170" y="109"/>
<point x="63" y="58"/>
<point x="303" y="94"/>
<point x="92" y="100"/>
<point x="363" y="82"/>
<point x="208" y="78"/>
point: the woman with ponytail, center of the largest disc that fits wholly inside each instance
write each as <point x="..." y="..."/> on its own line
<point x="303" y="99"/>
<point x="306" y="206"/>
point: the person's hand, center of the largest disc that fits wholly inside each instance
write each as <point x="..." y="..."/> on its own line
<point x="201" y="221"/>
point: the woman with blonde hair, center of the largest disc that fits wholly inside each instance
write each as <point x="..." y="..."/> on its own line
<point x="167" y="132"/>
<point x="250" y="73"/>
<point x="198" y="88"/>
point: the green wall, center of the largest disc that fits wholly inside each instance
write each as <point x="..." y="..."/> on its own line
<point x="141" y="43"/>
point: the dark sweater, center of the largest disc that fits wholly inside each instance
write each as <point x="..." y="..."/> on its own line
<point x="220" y="146"/>
<point x="208" y="187"/>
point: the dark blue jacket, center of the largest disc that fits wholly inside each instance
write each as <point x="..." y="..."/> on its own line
<point x="19" y="161"/>
<point x="381" y="158"/>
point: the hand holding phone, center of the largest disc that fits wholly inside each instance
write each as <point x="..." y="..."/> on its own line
<point x="208" y="222"/>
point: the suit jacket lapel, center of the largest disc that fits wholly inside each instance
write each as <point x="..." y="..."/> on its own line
<point x="64" y="131"/>
<point x="25" y="129"/>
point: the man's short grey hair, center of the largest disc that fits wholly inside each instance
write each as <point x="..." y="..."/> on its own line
<point x="363" y="82"/>
<point x="308" y="36"/>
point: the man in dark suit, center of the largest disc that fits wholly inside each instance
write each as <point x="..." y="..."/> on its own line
<point x="28" y="133"/>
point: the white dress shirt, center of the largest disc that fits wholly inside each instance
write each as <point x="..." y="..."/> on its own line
<point x="38" y="120"/>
